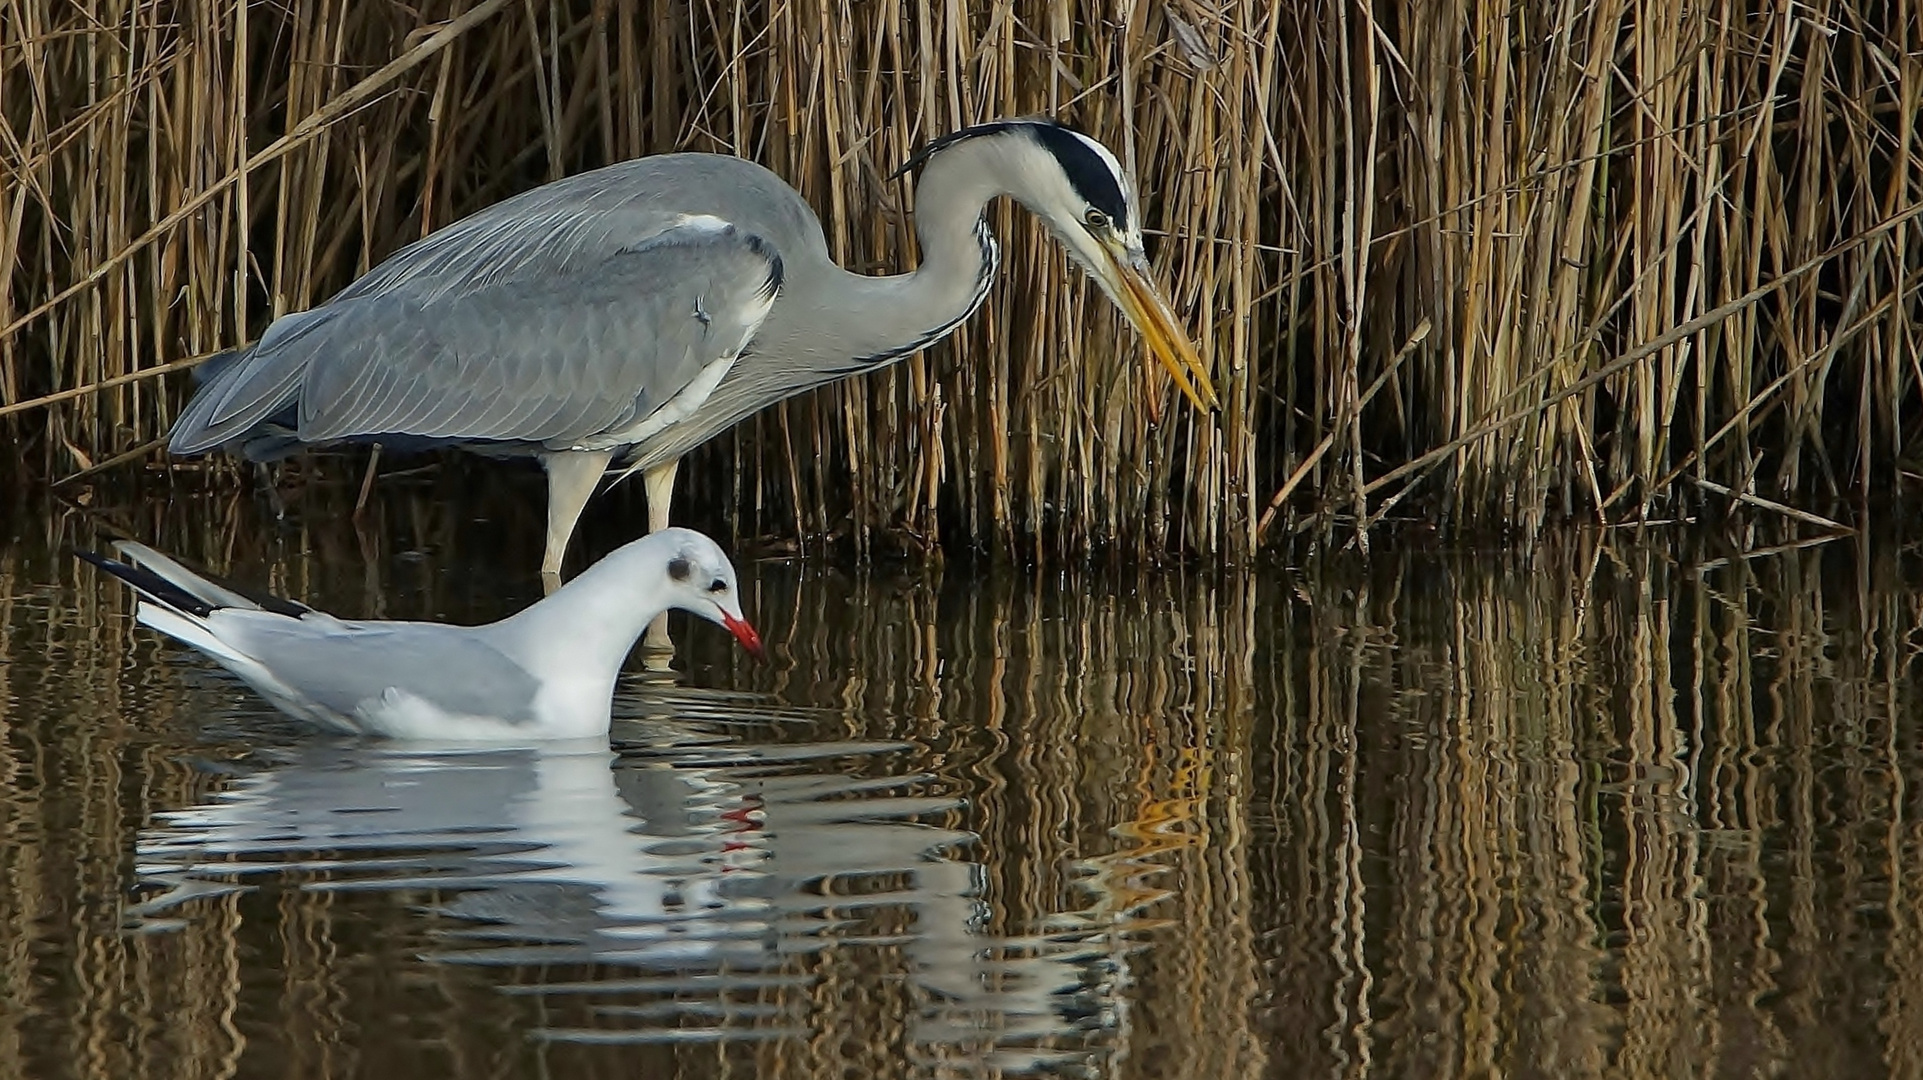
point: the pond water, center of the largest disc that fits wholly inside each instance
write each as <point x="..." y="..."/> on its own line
<point x="1603" y="808"/>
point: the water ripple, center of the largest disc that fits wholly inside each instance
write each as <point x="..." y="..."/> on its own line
<point x="686" y="891"/>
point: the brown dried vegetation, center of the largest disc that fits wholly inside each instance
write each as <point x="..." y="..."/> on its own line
<point x="1501" y="262"/>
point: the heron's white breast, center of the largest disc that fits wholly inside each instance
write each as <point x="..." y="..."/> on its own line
<point x="692" y="396"/>
<point x="678" y="408"/>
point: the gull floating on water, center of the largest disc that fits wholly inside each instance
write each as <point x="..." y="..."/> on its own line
<point x="545" y="673"/>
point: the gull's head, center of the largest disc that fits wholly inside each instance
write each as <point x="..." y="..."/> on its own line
<point x="701" y="581"/>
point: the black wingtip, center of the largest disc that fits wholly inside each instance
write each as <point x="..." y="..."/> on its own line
<point x="93" y="557"/>
<point x="148" y="584"/>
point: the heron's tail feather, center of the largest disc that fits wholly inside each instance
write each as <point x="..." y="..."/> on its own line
<point x="216" y="366"/>
<point x="620" y="473"/>
<point x="250" y="390"/>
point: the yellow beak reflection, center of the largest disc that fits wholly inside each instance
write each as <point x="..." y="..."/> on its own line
<point x="1135" y="293"/>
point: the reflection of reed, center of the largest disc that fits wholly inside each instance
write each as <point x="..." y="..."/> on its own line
<point x="1099" y="776"/>
<point x="80" y="772"/>
<point x="1100" y="732"/>
<point x="1628" y="819"/>
<point x="1583" y="812"/>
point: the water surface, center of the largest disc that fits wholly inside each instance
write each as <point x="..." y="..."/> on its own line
<point x="1600" y="809"/>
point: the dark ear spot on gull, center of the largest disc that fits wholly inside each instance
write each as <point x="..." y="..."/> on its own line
<point x="679" y="568"/>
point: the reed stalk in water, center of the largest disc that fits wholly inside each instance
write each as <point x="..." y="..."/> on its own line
<point x="1488" y="264"/>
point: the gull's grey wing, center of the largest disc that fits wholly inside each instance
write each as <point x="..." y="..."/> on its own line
<point x="582" y="328"/>
<point x="340" y="665"/>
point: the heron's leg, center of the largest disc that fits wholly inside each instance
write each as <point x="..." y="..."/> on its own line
<point x="265" y="473"/>
<point x="659" y="482"/>
<point x="367" y="482"/>
<point x="572" y="475"/>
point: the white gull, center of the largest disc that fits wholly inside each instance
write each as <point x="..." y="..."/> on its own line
<point x="547" y="672"/>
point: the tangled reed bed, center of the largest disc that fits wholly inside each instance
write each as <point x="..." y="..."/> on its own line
<point x="1494" y="263"/>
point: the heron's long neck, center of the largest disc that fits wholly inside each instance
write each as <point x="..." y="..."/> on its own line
<point x="854" y="322"/>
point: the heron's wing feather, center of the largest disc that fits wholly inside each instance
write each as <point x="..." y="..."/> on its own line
<point x="555" y="233"/>
<point x="575" y="354"/>
<point x="342" y="665"/>
<point x="552" y="229"/>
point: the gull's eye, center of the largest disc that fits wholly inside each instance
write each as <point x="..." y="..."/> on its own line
<point x="718" y="586"/>
<point x="1095" y="219"/>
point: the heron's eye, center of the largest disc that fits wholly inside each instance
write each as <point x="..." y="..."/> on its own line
<point x="1095" y="219"/>
<point x="718" y="586"/>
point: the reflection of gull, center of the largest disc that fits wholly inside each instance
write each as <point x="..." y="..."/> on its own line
<point x="710" y="869"/>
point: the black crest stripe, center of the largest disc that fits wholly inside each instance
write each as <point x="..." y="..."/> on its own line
<point x="1087" y="172"/>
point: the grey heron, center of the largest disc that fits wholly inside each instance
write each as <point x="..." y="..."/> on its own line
<point x="547" y="672"/>
<point x="628" y="314"/>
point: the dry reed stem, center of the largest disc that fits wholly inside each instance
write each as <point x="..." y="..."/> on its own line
<point x="1638" y="233"/>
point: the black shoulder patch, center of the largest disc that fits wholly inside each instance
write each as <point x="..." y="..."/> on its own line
<point x="777" y="273"/>
<point x="1088" y="174"/>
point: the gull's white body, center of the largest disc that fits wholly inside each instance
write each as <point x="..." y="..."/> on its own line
<point x="545" y="673"/>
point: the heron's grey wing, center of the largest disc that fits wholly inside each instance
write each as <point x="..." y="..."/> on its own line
<point x="242" y="393"/>
<point x="575" y="355"/>
<point x="579" y="220"/>
<point x="551" y="229"/>
<point x="559" y="231"/>
<point x="341" y="665"/>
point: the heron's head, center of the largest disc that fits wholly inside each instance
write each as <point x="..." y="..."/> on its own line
<point x="701" y="581"/>
<point x="1079" y="189"/>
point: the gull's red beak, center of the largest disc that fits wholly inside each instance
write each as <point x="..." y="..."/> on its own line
<point x="745" y="634"/>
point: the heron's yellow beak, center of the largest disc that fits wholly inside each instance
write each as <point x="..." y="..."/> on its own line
<point x="1135" y="293"/>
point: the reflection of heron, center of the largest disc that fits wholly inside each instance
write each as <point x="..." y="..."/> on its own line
<point x="704" y="868"/>
<point x="545" y="673"/>
<point x="635" y="311"/>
